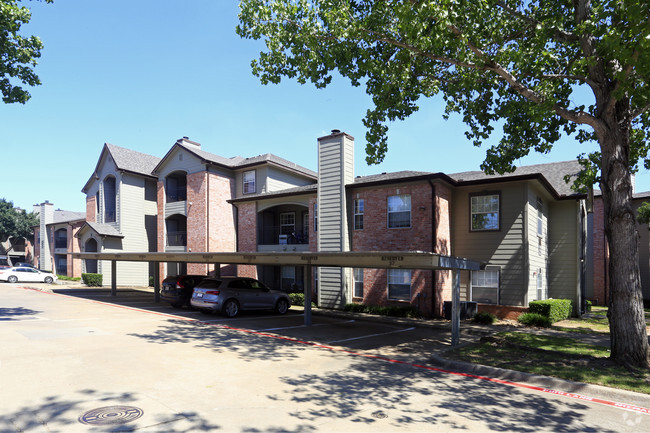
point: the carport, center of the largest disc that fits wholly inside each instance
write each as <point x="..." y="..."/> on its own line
<point x="353" y="259"/>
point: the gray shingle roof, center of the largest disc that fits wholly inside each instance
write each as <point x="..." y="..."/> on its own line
<point x="240" y="162"/>
<point x="64" y="216"/>
<point x="104" y="229"/>
<point x="553" y="172"/>
<point x="133" y="161"/>
<point x="384" y="177"/>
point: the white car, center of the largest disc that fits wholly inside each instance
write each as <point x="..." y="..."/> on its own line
<point x="23" y="275"/>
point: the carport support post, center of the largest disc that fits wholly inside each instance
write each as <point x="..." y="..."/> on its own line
<point x="308" y="273"/>
<point x="113" y="278"/>
<point x="156" y="283"/>
<point x="455" y="308"/>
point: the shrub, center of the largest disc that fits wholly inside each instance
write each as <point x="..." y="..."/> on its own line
<point x="299" y="299"/>
<point x="535" y="319"/>
<point x="588" y="305"/>
<point x="93" y="280"/>
<point x="382" y="311"/>
<point x="554" y="309"/>
<point x="484" y="318"/>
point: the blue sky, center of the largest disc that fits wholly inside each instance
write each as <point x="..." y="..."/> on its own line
<point x="141" y="74"/>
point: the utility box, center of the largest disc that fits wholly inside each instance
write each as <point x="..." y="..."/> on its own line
<point x="468" y="309"/>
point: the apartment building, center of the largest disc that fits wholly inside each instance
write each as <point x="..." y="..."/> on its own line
<point x="528" y="229"/>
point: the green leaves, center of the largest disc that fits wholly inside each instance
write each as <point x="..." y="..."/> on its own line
<point x="18" y="54"/>
<point x="523" y="67"/>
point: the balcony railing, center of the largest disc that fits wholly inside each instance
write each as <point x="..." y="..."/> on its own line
<point x="176" y="194"/>
<point x="176" y="239"/>
<point x="280" y="235"/>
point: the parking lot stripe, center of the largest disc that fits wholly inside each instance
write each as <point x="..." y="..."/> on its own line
<point x="624" y="406"/>
<point x="373" y="335"/>
<point x="303" y="326"/>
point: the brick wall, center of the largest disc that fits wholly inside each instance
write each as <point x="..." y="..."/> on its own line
<point x="247" y="231"/>
<point x="74" y="246"/>
<point x="376" y="236"/>
<point x="91" y="209"/>
<point x="443" y="280"/>
<point x="197" y="219"/>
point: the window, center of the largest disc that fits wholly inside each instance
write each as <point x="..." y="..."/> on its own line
<point x="540" y="285"/>
<point x="358" y="282"/>
<point x="109" y="200"/>
<point x="249" y="182"/>
<point x="176" y="187"/>
<point x="485" y="286"/>
<point x="399" y="211"/>
<point x="287" y="223"/>
<point x="358" y="214"/>
<point x="288" y="278"/>
<point x="399" y="284"/>
<point x="485" y="212"/>
<point x="315" y="217"/>
<point x="61" y="238"/>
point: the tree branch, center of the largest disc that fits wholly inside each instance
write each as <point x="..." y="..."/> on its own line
<point x="559" y="35"/>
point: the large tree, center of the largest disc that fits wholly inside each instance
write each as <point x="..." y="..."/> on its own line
<point x="14" y="224"/>
<point x="18" y="54"/>
<point x="522" y="65"/>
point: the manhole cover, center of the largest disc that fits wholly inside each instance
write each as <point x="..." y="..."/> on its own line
<point x="111" y="415"/>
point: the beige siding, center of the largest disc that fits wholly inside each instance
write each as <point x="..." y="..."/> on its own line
<point x="563" y="233"/>
<point x="335" y="170"/>
<point x="538" y="257"/>
<point x="504" y="248"/>
<point x="180" y="160"/>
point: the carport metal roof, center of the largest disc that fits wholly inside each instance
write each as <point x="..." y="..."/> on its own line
<point x="351" y="259"/>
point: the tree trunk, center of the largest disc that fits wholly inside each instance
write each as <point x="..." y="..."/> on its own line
<point x="629" y="339"/>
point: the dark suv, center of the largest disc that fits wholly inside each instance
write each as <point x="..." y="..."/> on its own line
<point x="177" y="289"/>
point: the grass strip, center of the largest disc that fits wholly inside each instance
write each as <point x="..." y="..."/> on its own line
<point x="553" y="356"/>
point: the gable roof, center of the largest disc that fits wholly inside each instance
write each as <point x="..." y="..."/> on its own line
<point x="126" y="160"/>
<point x="236" y="162"/>
<point x="100" y="229"/>
<point x="64" y="216"/>
<point x="552" y="172"/>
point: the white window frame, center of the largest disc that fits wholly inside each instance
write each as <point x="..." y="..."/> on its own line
<point x="397" y="278"/>
<point x="486" y="279"/>
<point x="315" y="217"/>
<point x="248" y="185"/>
<point x="485" y="204"/>
<point x="358" y="213"/>
<point x="399" y="205"/>
<point x="287" y="226"/>
<point x="357" y="275"/>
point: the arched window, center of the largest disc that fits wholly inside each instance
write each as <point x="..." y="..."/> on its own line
<point x="91" y="264"/>
<point x="109" y="200"/>
<point x="61" y="238"/>
<point x="176" y="186"/>
<point x="176" y="226"/>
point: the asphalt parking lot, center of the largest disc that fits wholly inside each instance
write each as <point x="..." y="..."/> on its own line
<point x="79" y="360"/>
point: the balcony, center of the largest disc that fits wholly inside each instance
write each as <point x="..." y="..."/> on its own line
<point x="177" y="239"/>
<point x="281" y="238"/>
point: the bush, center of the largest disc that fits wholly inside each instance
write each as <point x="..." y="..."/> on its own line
<point x="588" y="305"/>
<point x="535" y="319"/>
<point x="484" y="318"/>
<point x="93" y="280"/>
<point x="554" y="309"/>
<point x="382" y="311"/>
<point x="299" y="299"/>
